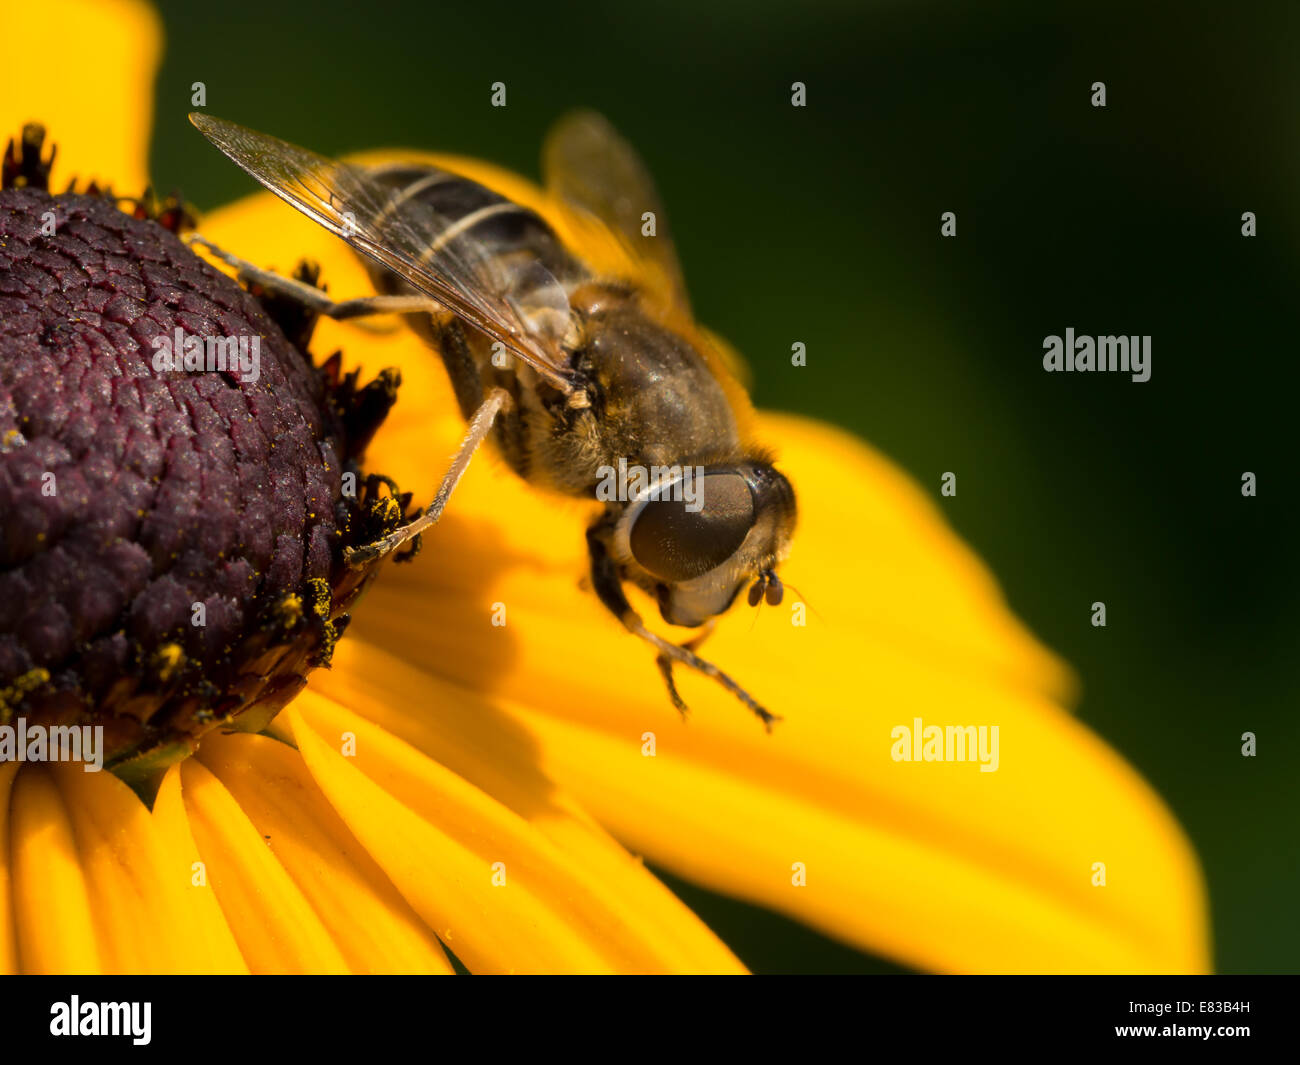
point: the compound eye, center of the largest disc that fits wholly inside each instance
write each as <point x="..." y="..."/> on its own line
<point x="676" y="544"/>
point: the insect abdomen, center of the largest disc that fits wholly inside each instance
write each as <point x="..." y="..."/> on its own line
<point x="510" y="236"/>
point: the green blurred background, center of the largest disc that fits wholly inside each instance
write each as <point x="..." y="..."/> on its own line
<point x="821" y="225"/>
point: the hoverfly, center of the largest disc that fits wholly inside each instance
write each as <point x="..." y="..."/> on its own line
<point x="571" y="371"/>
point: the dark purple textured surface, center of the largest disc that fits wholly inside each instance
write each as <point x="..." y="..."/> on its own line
<point x="172" y="488"/>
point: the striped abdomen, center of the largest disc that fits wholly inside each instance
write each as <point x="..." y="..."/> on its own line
<point x="488" y="240"/>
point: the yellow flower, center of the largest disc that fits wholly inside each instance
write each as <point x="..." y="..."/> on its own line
<point x="495" y="767"/>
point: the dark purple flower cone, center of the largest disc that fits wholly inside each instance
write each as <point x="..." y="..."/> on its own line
<point x="170" y="539"/>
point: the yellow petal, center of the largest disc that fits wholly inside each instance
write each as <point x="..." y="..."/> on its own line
<point x="369" y="921"/>
<point x="8" y="935"/>
<point x="141" y="914"/>
<point x="472" y="738"/>
<point x="275" y="926"/>
<point x="84" y="69"/>
<point x="52" y="901"/>
<point x="927" y="899"/>
<point x="499" y="894"/>
<point x="218" y="946"/>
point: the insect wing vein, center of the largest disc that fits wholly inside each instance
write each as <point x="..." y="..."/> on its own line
<point x="350" y="203"/>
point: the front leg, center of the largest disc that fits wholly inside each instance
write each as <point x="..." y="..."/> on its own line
<point x="315" y="298"/>
<point x="665" y="665"/>
<point x="496" y="400"/>
<point x="608" y="586"/>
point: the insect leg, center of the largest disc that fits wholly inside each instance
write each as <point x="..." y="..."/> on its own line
<point x="315" y="298"/>
<point x="479" y="426"/>
<point x="666" y="670"/>
<point x="609" y="588"/>
<point x="665" y="665"/>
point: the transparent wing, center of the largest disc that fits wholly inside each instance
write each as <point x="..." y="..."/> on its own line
<point x="432" y="252"/>
<point x="588" y="164"/>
